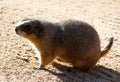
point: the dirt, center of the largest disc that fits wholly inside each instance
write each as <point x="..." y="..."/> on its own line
<point x="104" y="15"/>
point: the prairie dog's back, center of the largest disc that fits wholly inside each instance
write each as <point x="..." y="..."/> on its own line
<point x="79" y="36"/>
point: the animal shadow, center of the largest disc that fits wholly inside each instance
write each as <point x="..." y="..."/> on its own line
<point x="98" y="74"/>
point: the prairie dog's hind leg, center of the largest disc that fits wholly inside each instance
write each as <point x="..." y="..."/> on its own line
<point x="81" y="65"/>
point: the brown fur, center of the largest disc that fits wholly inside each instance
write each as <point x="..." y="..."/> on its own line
<point x="71" y="41"/>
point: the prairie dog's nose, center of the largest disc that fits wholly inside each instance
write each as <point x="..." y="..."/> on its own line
<point x="16" y="30"/>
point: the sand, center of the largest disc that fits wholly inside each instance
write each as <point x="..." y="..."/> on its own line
<point x="104" y="15"/>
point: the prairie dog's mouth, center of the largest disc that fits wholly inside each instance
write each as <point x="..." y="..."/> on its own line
<point x="21" y="33"/>
<point x="18" y="31"/>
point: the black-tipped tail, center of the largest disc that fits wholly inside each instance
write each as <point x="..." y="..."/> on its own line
<point x="108" y="47"/>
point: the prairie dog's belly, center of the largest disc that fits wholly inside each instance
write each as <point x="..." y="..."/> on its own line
<point x="66" y="56"/>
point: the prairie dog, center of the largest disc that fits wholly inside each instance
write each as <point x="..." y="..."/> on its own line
<point x="71" y="41"/>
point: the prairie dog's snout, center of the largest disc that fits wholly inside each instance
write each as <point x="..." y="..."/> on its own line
<point x="20" y="26"/>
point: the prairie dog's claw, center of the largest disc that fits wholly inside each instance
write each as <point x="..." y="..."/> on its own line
<point x="36" y="58"/>
<point x="39" y="68"/>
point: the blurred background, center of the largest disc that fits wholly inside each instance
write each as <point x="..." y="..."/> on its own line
<point x="103" y="15"/>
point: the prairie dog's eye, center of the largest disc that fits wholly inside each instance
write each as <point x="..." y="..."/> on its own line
<point x="27" y="27"/>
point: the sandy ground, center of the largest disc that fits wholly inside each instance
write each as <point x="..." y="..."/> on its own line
<point x="104" y="15"/>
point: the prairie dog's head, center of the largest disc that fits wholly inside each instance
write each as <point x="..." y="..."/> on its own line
<point x="28" y="28"/>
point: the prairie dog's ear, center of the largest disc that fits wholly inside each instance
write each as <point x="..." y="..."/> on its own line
<point x="38" y="28"/>
<point x="37" y="25"/>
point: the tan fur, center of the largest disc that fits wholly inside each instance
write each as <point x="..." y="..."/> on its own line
<point x="71" y="41"/>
